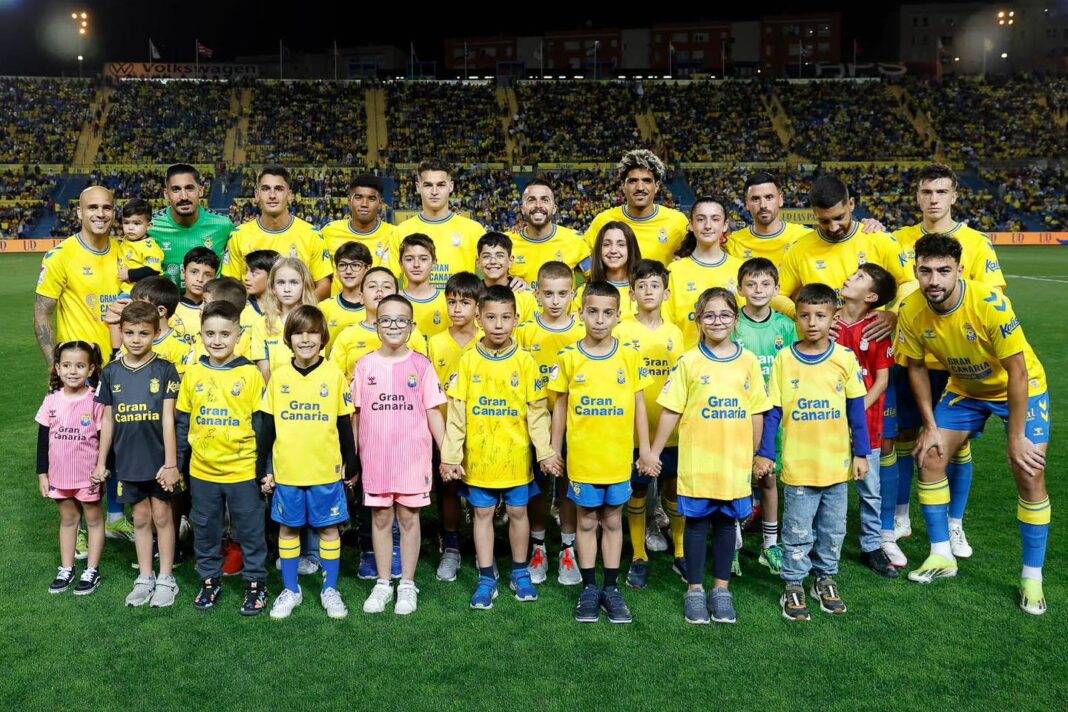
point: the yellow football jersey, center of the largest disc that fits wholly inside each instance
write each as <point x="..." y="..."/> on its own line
<point x="220" y="401"/>
<point x="431" y="313"/>
<point x="545" y="344"/>
<point x="627" y="308"/>
<point x="84" y="282"/>
<point x="378" y="240"/>
<point x="977" y="253"/>
<point x="970" y="341"/>
<point x="526" y="306"/>
<point x="688" y="278"/>
<point x="530" y="253"/>
<point x="660" y="348"/>
<point x="496" y="390"/>
<point x="138" y="254"/>
<point x="659" y="235"/>
<point x="268" y="344"/>
<point x="186" y="320"/>
<point x="358" y="340"/>
<point x="455" y="242"/>
<point x="717" y="398"/>
<point x="746" y="244"/>
<point x="812" y="392"/>
<point x="444" y="353"/>
<point x="340" y="313"/>
<point x="600" y="411"/>
<point x="299" y="240"/>
<point x="173" y="348"/>
<point x="306" y="409"/>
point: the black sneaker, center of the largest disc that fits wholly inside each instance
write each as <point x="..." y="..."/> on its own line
<point x="588" y="609"/>
<point x="210" y="592"/>
<point x="825" y="590"/>
<point x="679" y="567"/>
<point x="89" y="582"/>
<point x="255" y="599"/>
<point x="614" y="606"/>
<point x="64" y="579"/>
<point x="638" y="574"/>
<point x="879" y="562"/>
<point x="793" y="603"/>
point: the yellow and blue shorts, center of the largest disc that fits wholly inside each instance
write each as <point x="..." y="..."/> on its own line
<point x="957" y="412"/>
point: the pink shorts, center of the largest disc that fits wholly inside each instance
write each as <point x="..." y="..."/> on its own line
<point x="388" y="499"/>
<point x="84" y="494"/>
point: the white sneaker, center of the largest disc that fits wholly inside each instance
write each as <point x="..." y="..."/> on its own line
<point x="569" y="573"/>
<point x="165" y="593"/>
<point x="308" y="565"/>
<point x="331" y="600"/>
<point x="959" y="543"/>
<point x="142" y="591"/>
<point x="185" y="529"/>
<point x="902" y="528"/>
<point x="285" y="603"/>
<point x="894" y="553"/>
<point x="539" y="564"/>
<point x="381" y="594"/>
<point x="449" y="565"/>
<point x="407" y="599"/>
<point x="655" y="541"/>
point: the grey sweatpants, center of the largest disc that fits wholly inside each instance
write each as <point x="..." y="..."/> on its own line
<point x="211" y="500"/>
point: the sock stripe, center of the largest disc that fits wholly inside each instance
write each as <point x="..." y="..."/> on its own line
<point x="1036" y="513"/>
<point x="329" y="550"/>
<point x="933" y="493"/>
<point x="888" y="460"/>
<point x="289" y="548"/>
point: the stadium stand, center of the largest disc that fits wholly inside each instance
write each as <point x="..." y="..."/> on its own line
<point x="457" y="122"/>
<point x="307" y="123"/>
<point x="42" y="118"/>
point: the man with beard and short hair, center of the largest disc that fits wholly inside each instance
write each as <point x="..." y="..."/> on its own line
<point x="541" y="240"/>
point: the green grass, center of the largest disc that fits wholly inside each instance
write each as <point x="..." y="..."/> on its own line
<point x="901" y="644"/>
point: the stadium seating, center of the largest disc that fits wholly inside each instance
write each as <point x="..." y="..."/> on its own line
<point x="459" y="123"/>
<point x="26" y="185"/>
<point x="42" y="118"/>
<point x="307" y="123"/>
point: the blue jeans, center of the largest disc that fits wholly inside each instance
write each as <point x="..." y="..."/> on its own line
<point x="870" y="505"/>
<point x="813" y="529"/>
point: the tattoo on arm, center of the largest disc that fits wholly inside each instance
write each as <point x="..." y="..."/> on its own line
<point x="43" y="309"/>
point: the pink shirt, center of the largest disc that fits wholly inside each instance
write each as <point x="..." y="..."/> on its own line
<point x="73" y="437"/>
<point x="395" y="442"/>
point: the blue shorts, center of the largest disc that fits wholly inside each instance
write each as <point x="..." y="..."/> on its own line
<point x="669" y="467"/>
<point x="596" y="496"/>
<point x="315" y="505"/>
<point x="890" y="412"/>
<point x="542" y="478"/>
<point x="697" y="507"/>
<point x="486" y="498"/>
<point x="908" y="413"/>
<point x="957" y="412"/>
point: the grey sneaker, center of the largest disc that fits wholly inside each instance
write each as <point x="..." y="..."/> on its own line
<point x="449" y="565"/>
<point x="308" y="565"/>
<point x="825" y="590"/>
<point x="331" y="600"/>
<point x="165" y="593"/>
<point x="694" y="607"/>
<point x="142" y="591"/>
<point x="721" y="606"/>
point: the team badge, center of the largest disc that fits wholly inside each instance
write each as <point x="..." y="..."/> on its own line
<point x="437" y="318"/>
<point x="208" y="243"/>
<point x="863" y="344"/>
<point x="662" y="237"/>
<point x="515" y="379"/>
<point x="670" y="345"/>
<point x="621" y="377"/>
<point x="779" y="342"/>
<point x="456" y="239"/>
<point x="293" y="250"/>
<point x="969" y="332"/>
<point x="746" y="384"/>
<point x="412" y="381"/>
<point x="839" y="386"/>
<point x="861" y="258"/>
<point x="559" y="256"/>
<point x="577" y="488"/>
<point x="153" y="385"/>
<point x="278" y="505"/>
<point x="324" y="392"/>
<point x="285" y="389"/>
<point x="236" y="390"/>
<point x="86" y="420"/>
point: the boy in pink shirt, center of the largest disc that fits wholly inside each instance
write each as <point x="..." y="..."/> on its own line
<point x="396" y="394"/>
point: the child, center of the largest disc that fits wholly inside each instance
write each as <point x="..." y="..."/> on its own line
<point x="228" y="289"/>
<point x="68" y="440"/>
<point x="358" y="340"/>
<point x="869" y="288"/>
<point x="346" y="307"/>
<point x="817" y="393"/>
<point x="615" y="252"/>
<point x="495" y="261"/>
<point x="445" y="348"/>
<point x="199" y="266"/>
<point x="396" y="394"/>
<point x="552" y="329"/>
<point x="701" y="264"/>
<point x="217" y="402"/>
<point x="309" y="426"/>
<point x="417" y="260"/>
<point x="141" y="255"/>
<point x="715" y="396"/>
<point x="138" y="391"/>
<point x="260" y="263"/>
<point x="291" y="286"/>
<point x="599" y="407"/>
<point x="497" y="408"/>
<point x="765" y="332"/>
<point x="660" y="344"/>
<point x="161" y="293"/>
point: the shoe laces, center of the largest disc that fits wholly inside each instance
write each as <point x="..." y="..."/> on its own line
<point x="795" y="598"/>
<point x="566" y="559"/>
<point x="828" y="589"/>
<point x="89" y="574"/>
<point x="331" y="596"/>
<point x="538" y="559"/>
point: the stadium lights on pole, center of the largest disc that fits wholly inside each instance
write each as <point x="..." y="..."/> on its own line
<point x="81" y="20"/>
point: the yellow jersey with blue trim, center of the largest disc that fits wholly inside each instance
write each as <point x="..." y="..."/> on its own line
<point x="356" y="341"/>
<point x="299" y="239"/>
<point x="545" y="343"/>
<point x="977" y="252"/>
<point x="660" y="349"/>
<point x="431" y="313"/>
<point x="340" y="313"/>
<point x="659" y="234"/>
<point x="135" y="254"/>
<point x="455" y="241"/>
<point x="378" y="239"/>
<point x="561" y="245"/>
<point x="688" y="277"/>
<point x="627" y="308"/>
<point x="746" y="244"/>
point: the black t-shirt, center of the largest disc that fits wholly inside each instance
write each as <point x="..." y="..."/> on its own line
<point x="136" y="398"/>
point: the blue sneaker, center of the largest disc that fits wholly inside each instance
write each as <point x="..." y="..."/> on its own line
<point x="368" y="568"/>
<point x="588" y="609"/>
<point x="485" y="593"/>
<point x="614" y="606"/>
<point x="523" y="586"/>
<point x="395" y="567"/>
<point x="638" y="574"/>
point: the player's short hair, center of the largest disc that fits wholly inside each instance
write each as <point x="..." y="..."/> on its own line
<point x="816" y="294"/>
<point x="221" y="309"/>
<point x="367" y="180"/>
<point x="227" y="289"/>
<point x="828" y="191"/>
<point x="649" y="268"/>
<point x="262" y="260"/>
<point x="760" y="178"/>
<point x="305" y="319"/>
<point x="201" y="256"/>
<point x="465" y="285"/>
<point x="353" y="250"/>
<point x="137" y="206"/>
<point x="140" y="313"/>
<point x="554" y="269"/>
<point x="280" y="171"/>
<point x="935" y="171"/>
<point x="937" y="244"/>
<point x="884" y="286"/>
<point x="634" y="252"/>
<point x="757" y="266"/>
<point x="381" y="270"/>
<point x="600" y="288"/>
<point x="689" y="243"/>
<point x="715" y="293"/>
<point x="495" y="239"/>
<point x="157" y="291"/>
<point x="433" y="164"/>
<point x="539" y="181"/>
<point x="418" y="239"/>
<point x="640" y="158"/>
<point x="399" y="299"/>
<point x="497" y="293"/>
<point x="181" y="169"/>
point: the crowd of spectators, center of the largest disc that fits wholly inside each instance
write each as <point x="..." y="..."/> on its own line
<point x="489" y="196"/>
<point x="41" y="118"/>
<point x="457" y="122"/>
<point x="1035" y="192"/>
<point x="312" y="122"/>
<point x="29" y="184"/>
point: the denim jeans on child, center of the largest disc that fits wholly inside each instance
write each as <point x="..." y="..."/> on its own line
<point x="813" y="529"/>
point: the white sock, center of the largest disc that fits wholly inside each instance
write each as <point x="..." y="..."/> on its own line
<point x="384" y="582"/>
<point x="1032" y="572"/>
<point x="114" y="517"/>
<point x="567" y="539"/>
<point x="407" y="582"/>
<point x="943" y="549"/>
<point x="737" y="534"/>
<point x="901" y="511"/>
<point x="956" y="523"/>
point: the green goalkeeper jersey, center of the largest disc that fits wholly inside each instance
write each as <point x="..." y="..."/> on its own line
<point x="766" y="338"/>
<point x="211" y="230"/>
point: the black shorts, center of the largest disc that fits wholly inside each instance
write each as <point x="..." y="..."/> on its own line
<point x="134" y="492"/>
